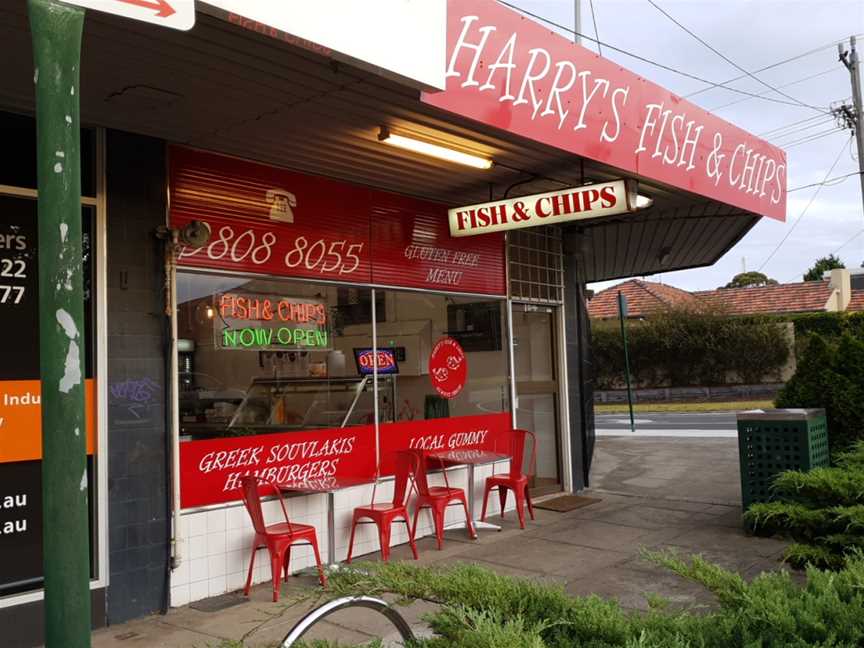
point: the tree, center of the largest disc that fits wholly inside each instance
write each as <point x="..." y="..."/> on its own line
<point x="752" y="278"/>
<point x="822" y="266"/>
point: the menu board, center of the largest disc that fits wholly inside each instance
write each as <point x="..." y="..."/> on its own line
<point x="20" y="393"/>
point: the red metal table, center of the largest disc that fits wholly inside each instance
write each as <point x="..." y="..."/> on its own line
<point x="328" y="485"/>
<point x="469" y="458"/>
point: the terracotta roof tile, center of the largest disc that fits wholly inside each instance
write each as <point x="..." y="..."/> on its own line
<point x="643" y="298"/>
<point x="801" y="297"/>
<point x="857" y="301"/>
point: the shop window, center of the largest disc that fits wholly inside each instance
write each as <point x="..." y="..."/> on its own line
<point x="261" y="356"/>
<point x="18" y="162"/>
<point x="536" y="264"/>
<point x="20" y="394"/>
<point x="419" y="322"/>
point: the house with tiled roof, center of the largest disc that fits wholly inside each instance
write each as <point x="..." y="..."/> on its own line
<point x="838" y="292"/>
<point x="643" y="298"/>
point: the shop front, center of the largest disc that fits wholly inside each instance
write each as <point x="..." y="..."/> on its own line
<point x="276" y="288"/>
<point x="323" y="327"/>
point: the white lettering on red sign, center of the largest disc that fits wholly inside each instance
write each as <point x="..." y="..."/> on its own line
<point x="514" y="74"/>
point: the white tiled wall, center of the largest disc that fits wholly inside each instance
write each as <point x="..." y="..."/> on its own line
<point x="215" y="545"/>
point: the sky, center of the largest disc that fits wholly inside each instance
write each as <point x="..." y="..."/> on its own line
<point x="753" y="34"/>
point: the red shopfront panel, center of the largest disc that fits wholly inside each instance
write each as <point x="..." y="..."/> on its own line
<point x="210" y="471"/>
<point x="414" y="249"/>
<point x="517" y="75"/>
<point x="481" y="432"/>
<point x="268" y="220"/>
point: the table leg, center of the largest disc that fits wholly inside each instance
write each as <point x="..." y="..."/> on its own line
<point x="478" y="525"/>
<point x="331" y="529"/>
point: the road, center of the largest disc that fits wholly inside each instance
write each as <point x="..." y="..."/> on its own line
<point x="696" y="424"/>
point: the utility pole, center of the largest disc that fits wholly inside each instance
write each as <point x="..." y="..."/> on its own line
<point x="577" y="21"/>
<point x="56" y="36"/>
<point x="853" y="116"/>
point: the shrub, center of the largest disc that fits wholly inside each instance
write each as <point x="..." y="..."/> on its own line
<point x="830" y="375"/>
<point x="686" y="346"/>
<point x="822" y="510"/>
<point x="481" y="608"/>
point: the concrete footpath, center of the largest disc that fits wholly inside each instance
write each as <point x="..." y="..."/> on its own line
<point x="660" y="493"/>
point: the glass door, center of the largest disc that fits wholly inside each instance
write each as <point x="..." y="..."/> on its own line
<point x="535" y="349"/>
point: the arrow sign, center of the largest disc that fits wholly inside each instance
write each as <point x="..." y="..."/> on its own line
<point x="176" y="14"/>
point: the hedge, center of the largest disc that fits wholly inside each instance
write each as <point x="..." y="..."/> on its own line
<point x="681" y="347"/>
<point x="830" y="375"/>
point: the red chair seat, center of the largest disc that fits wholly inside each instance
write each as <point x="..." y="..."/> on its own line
<point x="296" y="530"/>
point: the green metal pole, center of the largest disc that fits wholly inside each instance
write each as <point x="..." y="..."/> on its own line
<point x="56" y="31"/>
<point x="623" y="316"/>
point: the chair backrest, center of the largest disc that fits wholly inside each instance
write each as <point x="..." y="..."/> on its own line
<point x="405" y="467"/>
<point x="252" y="499"/>
<point x="418" y="458"/>
<point x="518" y="440"/>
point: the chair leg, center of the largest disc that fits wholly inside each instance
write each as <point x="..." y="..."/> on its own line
<point x="321" y="576"/>
<point x="416" y="519"/>
<point x="249" y="577"/>
<point x="438" y="521"/>
<point x="287" y="561"/>
<point x="469" y="524"/>
<point x="486" y="492"/>
<point x="276" y="569"/>
<point x="520" y="506"/>
<point x="351" y="542"/>
<point x="411" y="540"/>
<point x="502" y="498"/>
<point x="528" y="500"/>
<point x="384" y="539"/>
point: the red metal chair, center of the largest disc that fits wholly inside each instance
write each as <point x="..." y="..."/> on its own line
<point x="516" y="480"/>
<point x="276" y="538"/>
<point x="437" y="498"/>
<point x="385" y="514"/>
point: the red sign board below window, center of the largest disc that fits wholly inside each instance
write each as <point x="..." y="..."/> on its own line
<point x="210" y="470"/>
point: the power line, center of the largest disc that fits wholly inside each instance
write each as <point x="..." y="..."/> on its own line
<point x="804" y="211"/>
<point x="596" y="33"/>
<point x="810" y="138"/>
<point x="730" y="61"/>
<point x="827" y="183"/>
<point x="831" y="45"/>
<point x="797" y="132"/>
<point x="638" y="57"/>
<point x="785" y="85"/>
<point x="770" y="133"/>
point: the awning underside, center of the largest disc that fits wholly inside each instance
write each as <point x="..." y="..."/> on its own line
<point x="226" y="89"/>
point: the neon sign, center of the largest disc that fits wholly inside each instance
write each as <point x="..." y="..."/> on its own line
<point x="270" y="322"/>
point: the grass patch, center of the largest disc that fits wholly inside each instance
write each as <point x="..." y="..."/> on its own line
<point x="728" y="406"/>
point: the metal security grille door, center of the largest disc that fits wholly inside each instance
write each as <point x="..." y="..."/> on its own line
<point x="535" y="354"/>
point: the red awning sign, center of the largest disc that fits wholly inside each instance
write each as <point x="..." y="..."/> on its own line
<point x="514" y="74"/>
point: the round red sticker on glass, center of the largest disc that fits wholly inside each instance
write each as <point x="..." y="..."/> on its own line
<point x="448" y="367"/>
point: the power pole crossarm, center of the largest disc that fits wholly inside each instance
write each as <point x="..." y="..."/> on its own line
<point x="856" y="119"/>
